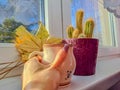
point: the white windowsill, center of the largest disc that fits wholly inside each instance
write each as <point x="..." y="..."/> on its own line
<point x="105" y="68"/>
<point x="102" y="52"/>
<point x="6" y="45"/>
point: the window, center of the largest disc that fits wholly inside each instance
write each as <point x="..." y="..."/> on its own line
<point x="44" y="12"/>
<point x="19" y="12"/>
<point x="26" y="12"/>
<point x="57" y="16"/>
<point x="107" y="25"/>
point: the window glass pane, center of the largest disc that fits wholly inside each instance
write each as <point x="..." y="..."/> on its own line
<point x="104" y="21"/>
<point x="16" y="12"/>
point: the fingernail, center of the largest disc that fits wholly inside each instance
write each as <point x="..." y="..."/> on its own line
<point x="66" y="47"/>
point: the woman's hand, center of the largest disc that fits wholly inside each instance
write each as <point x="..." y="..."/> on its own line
<point x="41" y="76"/>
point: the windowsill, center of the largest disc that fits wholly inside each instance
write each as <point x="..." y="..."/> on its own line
<point x="102" y="51"/>
<point x="106" y="70"/>
<point x="4" y="45"/>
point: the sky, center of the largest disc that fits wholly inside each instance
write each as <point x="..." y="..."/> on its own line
<point x="3" y="2"/>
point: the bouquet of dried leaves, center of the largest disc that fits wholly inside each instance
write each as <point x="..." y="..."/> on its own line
<point x="26" y="43"/>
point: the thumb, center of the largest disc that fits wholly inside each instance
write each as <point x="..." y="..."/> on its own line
<point x="60" y="57"/>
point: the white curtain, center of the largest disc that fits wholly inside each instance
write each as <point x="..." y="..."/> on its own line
<point x="113" y="6"/>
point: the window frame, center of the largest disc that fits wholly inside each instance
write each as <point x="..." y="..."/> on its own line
<point x="53" y="16"/>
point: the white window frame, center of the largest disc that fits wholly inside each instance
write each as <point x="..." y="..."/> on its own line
<point x="53" y="16"/>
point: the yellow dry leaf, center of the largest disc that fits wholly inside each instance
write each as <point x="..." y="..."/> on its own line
<point x="27" y="43"/>
<point x="23" y="35"/>
<point x="42" y="32"/>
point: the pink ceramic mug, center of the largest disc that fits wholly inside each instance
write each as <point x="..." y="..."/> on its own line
<point x="68" y="66"/>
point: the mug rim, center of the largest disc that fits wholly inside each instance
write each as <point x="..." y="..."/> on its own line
<point x="52" y="45"/>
